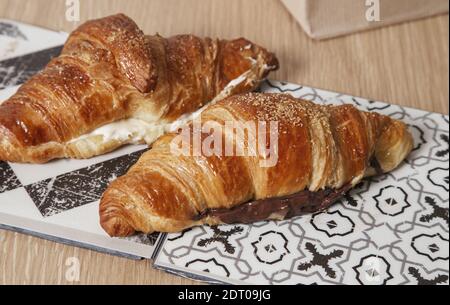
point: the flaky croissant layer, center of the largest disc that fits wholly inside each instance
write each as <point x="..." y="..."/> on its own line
<point x="110" y="71"/>
<point x="322" y="151"/>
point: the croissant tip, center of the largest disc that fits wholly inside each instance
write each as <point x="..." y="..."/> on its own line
<point x="116" y="226"/>
<point x="111" y="214"/>
<point x="273" y="62"/>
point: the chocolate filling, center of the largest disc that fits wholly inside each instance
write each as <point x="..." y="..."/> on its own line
<point x="304" y="202"/>
<point x="285" y="207"/>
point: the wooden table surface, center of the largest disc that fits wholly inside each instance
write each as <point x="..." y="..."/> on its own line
<point x="405" y="64"/>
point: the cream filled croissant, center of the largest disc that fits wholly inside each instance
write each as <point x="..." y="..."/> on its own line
<point x="321" y="153"/>
<point x="112" y="85"/>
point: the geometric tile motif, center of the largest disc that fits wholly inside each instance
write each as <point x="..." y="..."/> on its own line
<point x="434" y="247"/>
<point x="221" y="236"/>
<point x="79" y="187"/>
<point x="8" y="180"/>
<point x="439" y="176"/>
<point x="210" y="265"/>
<point x="320" y="260"/>
<point x="438" y="212"/>
<point x="333" y="223"/>
<point x="423" y="279"/>
<point x="16" y="71"/>
<point x="271" y="247"/>
<point x="373" y="270"/>
<point x="392" y="200"/>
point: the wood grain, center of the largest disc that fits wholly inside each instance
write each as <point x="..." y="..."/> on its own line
<point x="406" y="64"/>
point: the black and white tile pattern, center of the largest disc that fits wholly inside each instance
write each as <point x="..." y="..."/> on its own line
<point x="8" y="179"/>
<point x="80" y="187"/>
<point x="16" y="71"/>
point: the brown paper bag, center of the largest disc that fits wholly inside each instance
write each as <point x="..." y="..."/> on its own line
<point x="329" y="18"/>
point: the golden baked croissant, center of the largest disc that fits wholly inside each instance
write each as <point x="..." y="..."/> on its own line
<point x="322" y="151"/>
<point x="111" y="75"/>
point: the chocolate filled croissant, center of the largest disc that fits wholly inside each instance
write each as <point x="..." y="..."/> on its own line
<point x="112" y="85"/>
<point x="320" y="153"/>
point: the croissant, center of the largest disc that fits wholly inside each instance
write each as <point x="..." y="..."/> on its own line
<point x="112" y="85"/>
<point x="321" y="152"/>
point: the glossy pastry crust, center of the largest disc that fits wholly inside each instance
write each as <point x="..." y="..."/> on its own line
<point x="110" y="71"/>
<point x="323" y="151"/>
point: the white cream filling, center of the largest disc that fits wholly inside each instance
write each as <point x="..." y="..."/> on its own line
<point x="135" y="131"/>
